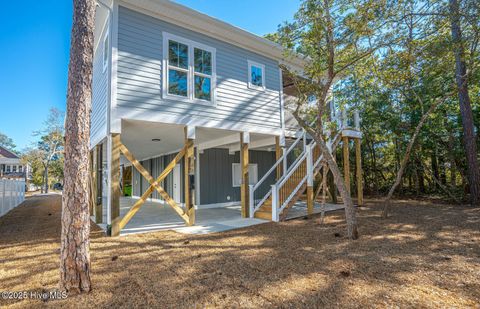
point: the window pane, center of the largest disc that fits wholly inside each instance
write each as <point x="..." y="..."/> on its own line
<point x="256" y="76"/>
<point x="203" y="88"/>
<point x="203" y="61"/>
<point x="178" y="54"/>
<point x="177" y="82"/>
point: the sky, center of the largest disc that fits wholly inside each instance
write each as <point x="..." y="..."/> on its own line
<point x="34" y="53"/>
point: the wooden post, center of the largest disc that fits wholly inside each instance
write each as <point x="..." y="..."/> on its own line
<point x="358" y="163"/>
<point x="115" y="185"/>
<point x="244" y="161"/>
<point x="99" y="184"/>
<point x="310" y="201"/>
<point x="278" y="155"/>
<point x="189" y="173"/>
<point x="346" y="162"/>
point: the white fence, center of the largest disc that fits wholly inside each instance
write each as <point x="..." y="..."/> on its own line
<point x="12" y="193"/>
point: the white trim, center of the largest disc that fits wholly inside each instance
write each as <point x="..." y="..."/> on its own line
<point x="114" y="123"/>
<point x="106" y="55"/>
<point x="164" y="117"/>
<point x="190" y="98"/>
<point x="262" y="67"/>
<point x="255" y="173"/>
<point x="217" y="205"/>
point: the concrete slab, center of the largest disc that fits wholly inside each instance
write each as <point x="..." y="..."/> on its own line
<point x="156" y="216"/>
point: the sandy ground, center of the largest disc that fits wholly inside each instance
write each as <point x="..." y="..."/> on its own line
<point x="424" y="255"/>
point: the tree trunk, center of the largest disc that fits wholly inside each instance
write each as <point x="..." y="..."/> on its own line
<point x="75" y="241"/>
<point x="46" y="177"/>
<point x="469" y="140"/>
<point x="350" y="213"/>
<point x="398" y="179"/>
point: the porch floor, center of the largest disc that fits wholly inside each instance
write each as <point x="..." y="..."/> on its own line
<point x="156" y="216"/>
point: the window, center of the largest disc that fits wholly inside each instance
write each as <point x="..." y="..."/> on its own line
<point x="256" y="75"/>
<point x="14" y="168"/>
<point x="177" y="68"/>
<point x="106" y="51"/>
<point x="20" y="168"/>
<point x="237" y="174"/>
<point x="190" y="70"/>
<point x="8" y="168"/>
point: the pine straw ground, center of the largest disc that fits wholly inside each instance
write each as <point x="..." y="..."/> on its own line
<point x="424" y="255"/>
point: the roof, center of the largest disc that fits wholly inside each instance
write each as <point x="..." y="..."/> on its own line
<point x="5" y="153"/>
<point x="199" y="22"/>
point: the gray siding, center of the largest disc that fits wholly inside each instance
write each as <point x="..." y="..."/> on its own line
<point x="216" y="174"/>
<point x="140" y="77"/>
<point x="155" y="166"/>
<point x="99" y="94"/>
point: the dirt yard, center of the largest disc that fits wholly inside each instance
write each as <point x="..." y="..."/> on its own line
<point x="424" y="255"/>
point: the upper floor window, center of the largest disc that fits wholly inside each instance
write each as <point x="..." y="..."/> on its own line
<point x="190" y="70"/>
<point x="256" y="75"/>
<point x="105" y="51"/>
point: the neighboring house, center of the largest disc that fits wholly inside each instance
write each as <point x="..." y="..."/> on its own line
<point x="197" y="105"/>
<point x="10" y="165"/>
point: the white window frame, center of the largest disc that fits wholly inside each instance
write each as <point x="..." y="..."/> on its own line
<point x="258" y="65"/>
<point x="255" y="174"/>
<point x="105" y="57"/>
<point x="190" y="98"/>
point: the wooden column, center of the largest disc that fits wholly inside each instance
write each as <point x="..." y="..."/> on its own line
<point x="99" y="186"/>
<point x="278" y="155"/>
<point x="115" y="184"/>
<point x="189" y="174"/>
<point x="310" y="197"/>
<point x="358" y="165"/>
<point x="346" y="162"/>
<point x="244" y="161"/>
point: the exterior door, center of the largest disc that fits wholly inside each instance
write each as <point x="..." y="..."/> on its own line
<point x="177" y="183"/>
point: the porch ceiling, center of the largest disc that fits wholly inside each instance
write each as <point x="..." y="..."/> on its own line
<point x="138" y="135"/>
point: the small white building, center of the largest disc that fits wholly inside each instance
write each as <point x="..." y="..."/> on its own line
<point x="10" y="165"/>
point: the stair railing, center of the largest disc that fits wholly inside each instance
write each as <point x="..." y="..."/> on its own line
<point x="254" y="203"/>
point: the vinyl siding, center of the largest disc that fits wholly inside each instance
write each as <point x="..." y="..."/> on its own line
<point x="139" y="76"/>
<point x="216" y="174"/>
<point x="155" y="166"/>
<point x="98" y="128"/>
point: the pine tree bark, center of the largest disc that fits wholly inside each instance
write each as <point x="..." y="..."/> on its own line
<point x="75" y="241"/>
<point x="469" y="140"/>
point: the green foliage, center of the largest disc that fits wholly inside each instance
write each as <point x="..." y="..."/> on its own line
<point x="391" y="59"/>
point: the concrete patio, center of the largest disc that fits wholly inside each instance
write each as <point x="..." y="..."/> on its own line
<point x="156" y="216"/>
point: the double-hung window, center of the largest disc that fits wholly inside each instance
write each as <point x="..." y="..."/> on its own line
<point x="190" y="70"/>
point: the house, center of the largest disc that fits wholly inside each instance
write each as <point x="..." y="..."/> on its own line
<point x="188" y="112"/>
<point x="10" y="165"/>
